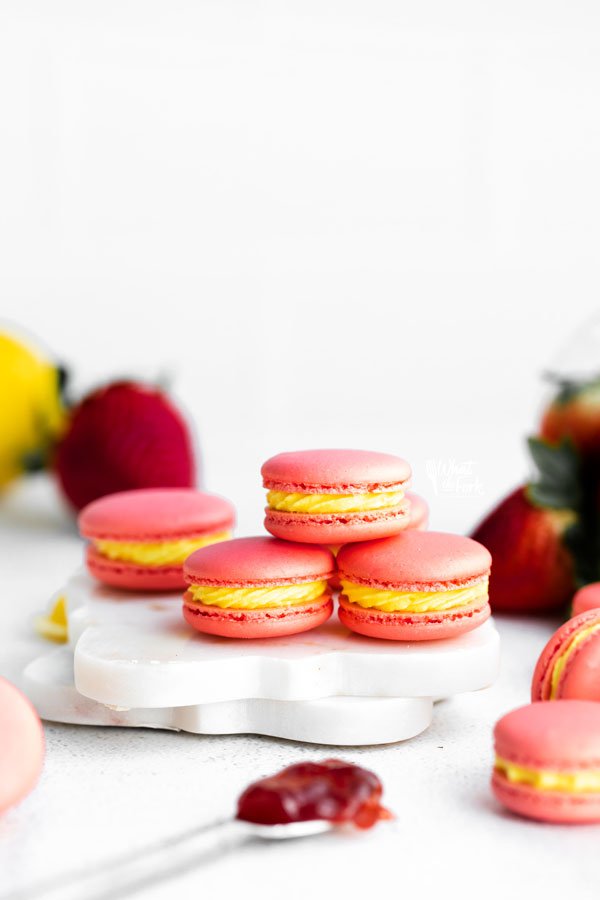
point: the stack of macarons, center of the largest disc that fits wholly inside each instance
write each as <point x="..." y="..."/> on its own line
<point x="398" y="581"/>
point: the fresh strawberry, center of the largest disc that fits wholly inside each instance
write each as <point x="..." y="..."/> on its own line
<point x="532" y="569"/>
<point x="124" y="435"/>
<point x="575" y="414"/>
<point x="530" y="535"/>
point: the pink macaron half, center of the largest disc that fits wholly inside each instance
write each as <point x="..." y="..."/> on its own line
<point x="416" y="586"/>
<point x="139" y="539"/>
<point x="258" y="587"/>
<point x="335" y="496"/>
<point x="21" y="746"/>
<point x="586" y="598"/>
<point x="547" y="763"/>
<point x="569" y="665"/>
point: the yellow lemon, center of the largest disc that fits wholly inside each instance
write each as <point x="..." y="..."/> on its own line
<point x="31" y="410"/>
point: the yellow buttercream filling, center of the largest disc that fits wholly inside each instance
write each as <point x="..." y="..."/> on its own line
<point x="165" y="553"/>
<point x="563" y="659"/>
<point x="257" y="598"/>
<point x="545" y="780"/>
<point x="333" y="503"/>
<point x="413" y="601"/>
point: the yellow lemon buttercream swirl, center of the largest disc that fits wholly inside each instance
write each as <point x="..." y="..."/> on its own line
<point x="257" y="597"/>
<point x="563" y="659"/>
<point x="413" y="601"/>
<point x="545" y="780"/>
<point x="333" y="503"/>
<point x="165" y="553"/>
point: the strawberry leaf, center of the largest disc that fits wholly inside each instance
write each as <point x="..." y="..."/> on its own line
<point x="558" y="483"/>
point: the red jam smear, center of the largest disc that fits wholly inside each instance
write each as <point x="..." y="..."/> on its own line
<point x="331" y="790"/>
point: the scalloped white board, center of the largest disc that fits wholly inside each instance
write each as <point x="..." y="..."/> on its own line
<point x="343" y="721"/>
<point x="137" y="652"/>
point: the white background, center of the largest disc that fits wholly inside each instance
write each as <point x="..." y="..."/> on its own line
<point x="336" y="224"/>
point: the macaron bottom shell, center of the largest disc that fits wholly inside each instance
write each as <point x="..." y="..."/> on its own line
<point x="132" y="576"/>
<point x="336" y="528"/>
<point x="395" y="626"/>
<point x="258" y="623"/>
<point x="557" y="807"/>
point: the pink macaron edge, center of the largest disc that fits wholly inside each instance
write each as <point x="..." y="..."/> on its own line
<point x="579" y="679"/>
<point x="418" y="511"/>
<point x="22" y="746"/>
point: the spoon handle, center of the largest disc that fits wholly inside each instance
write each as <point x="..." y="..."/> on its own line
<point x="124" y="875"/>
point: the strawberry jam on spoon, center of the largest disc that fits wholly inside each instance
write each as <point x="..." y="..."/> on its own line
<point x="331" y="791"/>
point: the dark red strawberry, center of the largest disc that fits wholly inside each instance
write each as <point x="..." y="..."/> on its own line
<point x="535" y="535"/>
<point x="532" y="568"/>
<point x="124" y="435"/>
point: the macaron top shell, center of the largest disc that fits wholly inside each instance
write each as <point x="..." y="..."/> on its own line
<point x="334" y="472"/>
<point x="155" y="514"/>
<point x="257" y="561"/>
<point x="559" y="736"/>
<point x="415" y="560"/>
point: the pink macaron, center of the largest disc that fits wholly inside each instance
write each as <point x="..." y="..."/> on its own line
<point x="569" y="666"/>
<point x="548" y="761"/>
<point x="417" y="586"/>
<point x="418" y="511"/>
<point x="586" y="598"/>
<point x="21" y="746"/>
<point x="139" y="539"/>
<point x="335" y="496"/>
<point x="258" y="587"/>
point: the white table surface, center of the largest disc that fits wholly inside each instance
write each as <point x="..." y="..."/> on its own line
<point x="104" y="790"/>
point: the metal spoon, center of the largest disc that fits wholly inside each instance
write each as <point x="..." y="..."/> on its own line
<point x="122" y="876"/>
